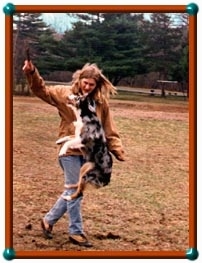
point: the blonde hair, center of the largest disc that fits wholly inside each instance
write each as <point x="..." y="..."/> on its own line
<point x="104" y="87"/>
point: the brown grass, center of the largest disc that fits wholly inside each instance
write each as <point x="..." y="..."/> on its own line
<point x="145" y="207"/>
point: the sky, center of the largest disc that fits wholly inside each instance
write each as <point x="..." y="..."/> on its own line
<point x="62" y="22"/>
<point x="59" y="20"/>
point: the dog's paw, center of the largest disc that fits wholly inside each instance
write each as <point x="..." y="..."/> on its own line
<point x="61" y="153"/>
<point x="67" y="197"/>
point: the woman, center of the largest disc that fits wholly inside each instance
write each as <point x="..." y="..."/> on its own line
<point x="87" y="80"/>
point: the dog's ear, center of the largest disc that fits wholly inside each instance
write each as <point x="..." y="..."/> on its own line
<point x="73" y="100"/>
<point x="72" y="97"/>
<point x="91" y="108"/>
<point x="91" y="105"/>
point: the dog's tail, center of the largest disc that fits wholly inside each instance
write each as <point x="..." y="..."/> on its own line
<point x="81" y="183"/>
<point x="86" y="168"/>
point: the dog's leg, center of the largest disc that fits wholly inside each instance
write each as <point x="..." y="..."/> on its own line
<point x="63" y="139"/>
<point x="81" y="185"/>
<point x="72" y="143"/>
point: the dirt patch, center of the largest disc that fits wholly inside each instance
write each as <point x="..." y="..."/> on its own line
<point x="135" y="110"/>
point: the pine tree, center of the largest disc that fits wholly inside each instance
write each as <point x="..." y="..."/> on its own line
<point x="112" y="40"/>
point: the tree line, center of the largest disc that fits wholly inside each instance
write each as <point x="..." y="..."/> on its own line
<point x="127" y="46"/>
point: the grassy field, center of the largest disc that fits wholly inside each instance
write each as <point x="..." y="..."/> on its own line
<point x="145" y="207"/>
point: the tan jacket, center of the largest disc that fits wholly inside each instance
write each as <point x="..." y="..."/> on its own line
<point x="57" y="96"/>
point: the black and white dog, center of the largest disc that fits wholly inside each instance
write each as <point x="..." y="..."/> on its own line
<point x="90" y="136"/>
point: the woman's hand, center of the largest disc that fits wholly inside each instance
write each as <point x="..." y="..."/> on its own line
<point x="28" y="67"/>
<point x="120" y="155"/>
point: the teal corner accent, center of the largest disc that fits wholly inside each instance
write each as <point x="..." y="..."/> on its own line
<point x="9" y="253"/>
<point x="192" y="253"/>
<point x="192" y="9"/>
<point x="9" y="9"/>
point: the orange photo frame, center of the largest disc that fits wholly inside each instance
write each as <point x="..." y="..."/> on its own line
<point x="191" y="252"/>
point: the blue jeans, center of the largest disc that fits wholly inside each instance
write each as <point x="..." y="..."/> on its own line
<point x="71" y="166"/>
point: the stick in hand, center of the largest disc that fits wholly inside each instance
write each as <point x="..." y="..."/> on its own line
<point x="28" y="66"/>
<point x="27" y="54"/>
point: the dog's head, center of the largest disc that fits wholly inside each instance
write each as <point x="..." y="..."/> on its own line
<point x="87" y="106"/>
<point x="84" y="103"/>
